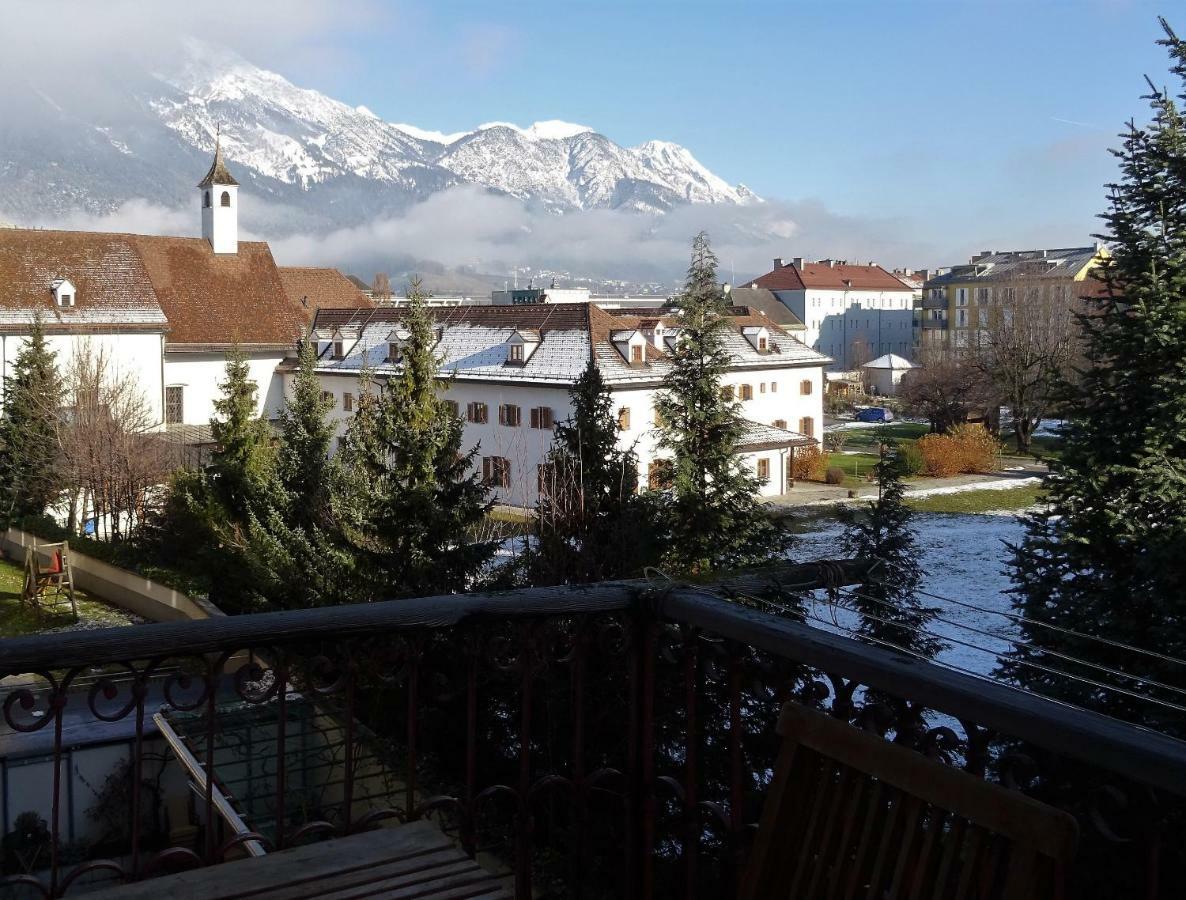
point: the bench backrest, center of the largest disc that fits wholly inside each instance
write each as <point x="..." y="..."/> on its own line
<point x="850" y="814"/>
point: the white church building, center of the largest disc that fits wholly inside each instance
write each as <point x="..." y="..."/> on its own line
<point x="166" y="310"/>
<point x="509" y="370"/>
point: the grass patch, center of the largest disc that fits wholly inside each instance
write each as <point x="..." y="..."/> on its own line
<point x="17" y="620"/>
<point x="972" y="501"/>
<point x="1046" y="446"/>
<point x="856" y="438"/>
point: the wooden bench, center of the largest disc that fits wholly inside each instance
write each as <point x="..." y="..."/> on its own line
<point x="413" y="860"/>
<point x="850" y="814"/>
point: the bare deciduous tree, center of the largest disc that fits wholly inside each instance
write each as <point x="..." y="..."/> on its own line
<point x="381" y="286"/>
<point x="114" y="461"/>
<point x="943" y="388"/>
<point x="1024" y="341"/>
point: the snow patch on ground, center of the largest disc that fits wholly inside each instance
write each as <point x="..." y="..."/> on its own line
<point x="1000" y="484"/>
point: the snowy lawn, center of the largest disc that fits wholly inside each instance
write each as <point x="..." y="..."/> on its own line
<point x="963" y="557"/>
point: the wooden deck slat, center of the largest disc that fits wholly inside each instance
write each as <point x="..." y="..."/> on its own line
<point x="411" y="861"/>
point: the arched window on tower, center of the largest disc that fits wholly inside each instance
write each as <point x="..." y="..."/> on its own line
<point x="226" y="198"/>
<point x="206" y="200"/>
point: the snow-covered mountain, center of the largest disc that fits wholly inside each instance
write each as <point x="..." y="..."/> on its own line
<point x="313" y="158"/>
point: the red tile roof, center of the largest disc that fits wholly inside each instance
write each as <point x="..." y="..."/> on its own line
<point x="220" y="299"/>
<point x="112" y="284"/>
<point x="821" y="276"/>
<point x="311" y="289"/>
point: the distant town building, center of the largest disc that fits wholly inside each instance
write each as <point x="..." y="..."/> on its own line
<point x="851" y="313"/>
<point x="957" y="302"/>
<point x="530" y="296"/>
<point x="509" y="369"/>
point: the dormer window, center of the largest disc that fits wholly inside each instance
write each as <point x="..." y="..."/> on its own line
<point x="520" y="345"/>
<point x="631" y="344"/>
<point x="758" y="336"/>
<point x="64" y="293"/>
<point x="397" y="340"/>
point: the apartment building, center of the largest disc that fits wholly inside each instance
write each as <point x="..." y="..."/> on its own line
<point x="509" y="369"/>
<point x="956" y="302"/>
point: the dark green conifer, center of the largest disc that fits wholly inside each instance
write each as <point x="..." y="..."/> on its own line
<point x="1108" y="557"/>
<point x="713" y="517"/>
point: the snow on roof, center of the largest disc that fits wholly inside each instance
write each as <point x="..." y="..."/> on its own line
<point x="759" y="436"/>
<point x="473" y="339"/>
<point x="889" y="361"/>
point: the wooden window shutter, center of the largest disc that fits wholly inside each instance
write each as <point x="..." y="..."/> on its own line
<point x="545" y="417"/>
<point x="535" y="417"/>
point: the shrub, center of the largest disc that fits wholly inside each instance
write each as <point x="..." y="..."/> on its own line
<point x="911" y="457"/>
<point x="811" y="464"/>
<point x="940" y="455"/>
<point x="834" y="475"/>
<point x="978" y="448"/>
<point x="967" y="448"/>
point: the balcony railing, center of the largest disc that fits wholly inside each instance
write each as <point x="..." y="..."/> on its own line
<point x="599" y="741"/>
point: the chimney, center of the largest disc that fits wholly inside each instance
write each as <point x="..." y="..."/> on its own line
<point x="778" y="263"/>
<point x="797" y="262"/>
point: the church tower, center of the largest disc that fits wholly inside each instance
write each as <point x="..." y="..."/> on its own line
<point x="220" y="205"/>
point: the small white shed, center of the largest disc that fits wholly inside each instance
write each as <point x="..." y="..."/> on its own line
<point x="883" y="374"/>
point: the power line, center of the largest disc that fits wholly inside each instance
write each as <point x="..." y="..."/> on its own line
<point x="1068" y="631"/>
<point x="1030" y="646"/>
<point x="1027" y="663"/>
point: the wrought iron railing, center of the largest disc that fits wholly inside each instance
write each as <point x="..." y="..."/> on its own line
<point x="600" y="741"/>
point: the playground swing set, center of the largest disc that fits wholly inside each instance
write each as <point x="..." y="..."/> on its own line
<point x="49" y="585"/>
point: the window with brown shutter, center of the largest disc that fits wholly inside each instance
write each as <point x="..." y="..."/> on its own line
<point x="807" y="426"/>
<point x="774" y="387"/>
<point x="338" y="350"/>
<point x="477" y="413"/>
<point x="659" y="474"/>
<point x="764" y="469"/>
<point x="496" y="470"/>
<point x="347" y="402"/>
<point x="780" y="423"/>
<point x="762" y="388"/>
<point x="541" y="417"/>
<point x="453" y="408"/>
<point x="624" y="419"/>
<point x="747" y="392"/>
<point x="510" y="416"/>
<point x="727" y="392"/>
<point x="762" y="345"/>
<point x="636" y="355"/>
<point x="328" y="397"/>
<point x="805" y="387"/>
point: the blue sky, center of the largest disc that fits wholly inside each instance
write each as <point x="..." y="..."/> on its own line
<point x="988" y="121"/>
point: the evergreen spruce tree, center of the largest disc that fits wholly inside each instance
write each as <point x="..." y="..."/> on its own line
<point x="215" y="511"/>
<point x="292" y="556"/>
<point x="29" y="449"/>
<point x="713" y="517"/>
<point x="241" y="466"/>
<point x="408" y="502"/>
<point x="303" y="463"/>
<point x="1109" y="557"/>
<point x="888" y="601"/>
<point x="591" y="523"/>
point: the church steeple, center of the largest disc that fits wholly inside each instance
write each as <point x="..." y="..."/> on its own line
<point x="220" y="204"/>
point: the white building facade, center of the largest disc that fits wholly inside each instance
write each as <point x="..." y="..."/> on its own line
<point x="851" y="313"/>
<point x="165" y="311"/>
<point x="510" y="370"/>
